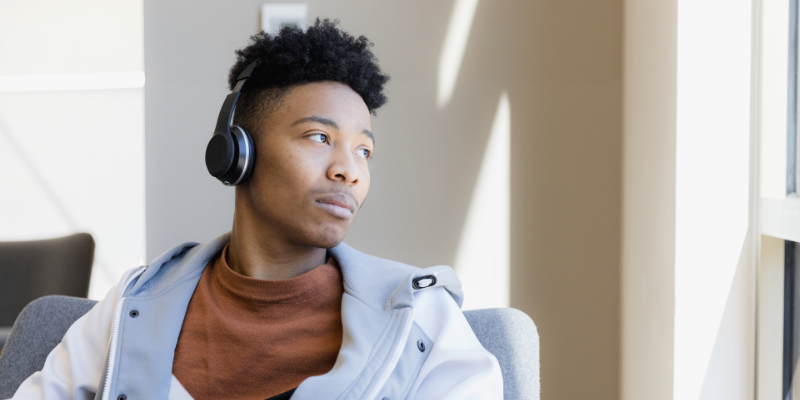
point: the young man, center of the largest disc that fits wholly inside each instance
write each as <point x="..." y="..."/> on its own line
<point x="279" y="308"/>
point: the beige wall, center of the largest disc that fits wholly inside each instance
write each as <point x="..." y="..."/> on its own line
<point x="566" y="185"/>
<point x="561" y="64"/>
<point x="648" y="217"/>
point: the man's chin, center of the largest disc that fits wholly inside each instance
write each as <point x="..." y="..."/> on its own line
<point x="327" y="244"/>
<point x="324" y="238"/>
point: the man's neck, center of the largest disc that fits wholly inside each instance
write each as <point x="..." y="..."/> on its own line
<point x="258" y="254"/>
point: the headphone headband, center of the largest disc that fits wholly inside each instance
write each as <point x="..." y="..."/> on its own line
<point x="225" y="117"/>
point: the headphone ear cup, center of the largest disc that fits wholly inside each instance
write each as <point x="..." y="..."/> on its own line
<point x="220" y="155"/>
<point x="246" y="153"/>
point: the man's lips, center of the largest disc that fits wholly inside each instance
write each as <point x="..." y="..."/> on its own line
<point x="339" y="204"/>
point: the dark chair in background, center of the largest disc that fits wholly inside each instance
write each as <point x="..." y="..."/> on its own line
<point x="36" y="268"/>
<point x="507" y="333"/>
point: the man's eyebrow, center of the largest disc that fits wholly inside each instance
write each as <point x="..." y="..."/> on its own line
<point x="368" y="134"/>
<point x="323" y="121"/>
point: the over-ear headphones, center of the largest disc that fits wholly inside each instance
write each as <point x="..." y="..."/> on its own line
<point x="230" y="154"/>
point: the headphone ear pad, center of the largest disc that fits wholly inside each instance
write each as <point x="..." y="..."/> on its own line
<point x="220" y="155"/>
<point x="247" y="154"/>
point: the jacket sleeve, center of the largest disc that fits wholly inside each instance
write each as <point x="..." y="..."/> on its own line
<point x="73" y="369"/>
<point x="458" y="367"/>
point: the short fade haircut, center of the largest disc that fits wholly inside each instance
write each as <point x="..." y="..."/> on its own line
<point x="292" y="57"/>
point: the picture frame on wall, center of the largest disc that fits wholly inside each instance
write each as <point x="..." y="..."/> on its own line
<point x="275" y="16"/>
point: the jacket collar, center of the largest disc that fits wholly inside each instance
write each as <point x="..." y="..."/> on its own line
<point x="371" y="279"/>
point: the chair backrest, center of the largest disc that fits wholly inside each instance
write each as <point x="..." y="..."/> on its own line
<point x="32" y="269"/>
<point x="507" y="333"/>
<point x="511" y="336"/>
<point x="40" y="327"/>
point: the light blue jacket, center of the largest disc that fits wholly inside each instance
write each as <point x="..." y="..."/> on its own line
<point x="405" y="336"/>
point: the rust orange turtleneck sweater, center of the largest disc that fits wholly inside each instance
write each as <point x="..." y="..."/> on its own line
<point x="245" y="338"/>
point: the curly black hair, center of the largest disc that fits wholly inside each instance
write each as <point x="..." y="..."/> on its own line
<point x="321" y="53"/>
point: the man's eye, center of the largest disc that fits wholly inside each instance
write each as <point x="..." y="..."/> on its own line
<point x="319" y="137"/>
<point x="364" y="153"/>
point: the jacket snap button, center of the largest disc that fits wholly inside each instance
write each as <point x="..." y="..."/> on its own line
<point x="421" y="346"/>
<point x="122" y="397"/>
<point x="423" y="282"/>
<point x="134" y="314"/>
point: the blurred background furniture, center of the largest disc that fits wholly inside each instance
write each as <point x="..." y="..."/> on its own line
<point x="36" y="268"/>
<point x="507" y="333"/>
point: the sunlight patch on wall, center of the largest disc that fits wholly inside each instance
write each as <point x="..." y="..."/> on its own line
<point x="482" y="261"/>
<point x="712" y="177"/>
<point x="453" y="51"/>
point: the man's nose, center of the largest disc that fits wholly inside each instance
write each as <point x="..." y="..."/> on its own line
<point x="343" y="167"/>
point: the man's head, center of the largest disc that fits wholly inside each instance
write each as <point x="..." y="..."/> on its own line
<point x="307" y="106"/>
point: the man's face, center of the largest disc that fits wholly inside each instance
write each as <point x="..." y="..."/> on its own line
<point x="312" y="164"/>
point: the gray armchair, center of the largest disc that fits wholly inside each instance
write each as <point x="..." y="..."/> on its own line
<point x="507" y="333"/>
<point x="36" y="268"/>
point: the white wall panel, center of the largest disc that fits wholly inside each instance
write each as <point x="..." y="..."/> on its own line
<point x="73" y="160"/>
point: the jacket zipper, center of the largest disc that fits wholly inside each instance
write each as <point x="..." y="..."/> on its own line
<point x="112" y="354"/>
<point x="395" y="357"/>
